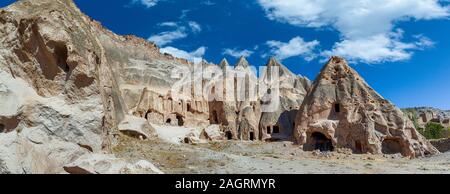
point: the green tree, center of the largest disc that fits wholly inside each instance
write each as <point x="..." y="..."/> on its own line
<point x="434" y="131"/>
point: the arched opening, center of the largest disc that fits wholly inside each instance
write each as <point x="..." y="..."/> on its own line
<point x="252" y="136"/>
<point x="321" y="142"/>
<point x="169" y="121"/>
<point x="147" y="114"/>
<point x="214" y="119"/>
<point x="180" y="120"/>
<point x="337" y="108"/>
<point x="2" y="128"/>
<point x="276" y="129"/>
<point x="186" y="140"/>
<point x="229" y="135"/>
<point x="391" y="146"/>
<point x="269" y="130"/>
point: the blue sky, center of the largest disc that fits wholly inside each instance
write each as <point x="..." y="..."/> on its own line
<point x="401" y="48"/>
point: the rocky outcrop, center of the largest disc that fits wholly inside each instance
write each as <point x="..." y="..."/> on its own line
<point x="443" y="145"/>
<point x="62" y="84"/>
<point x="109" y="164"/>
<point x="425" y="115"/>
<point x="248" y="105"/>
<point x="343" y="111"/>
<point x="222" y="107"/>
<point x="285" y="94"/>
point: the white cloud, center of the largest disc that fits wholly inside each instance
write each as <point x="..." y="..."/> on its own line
<point x="360" y="22"/>
<point x="379" y="48"/>
<point x="167" y="37"/>
<point x="237" y="53"/>
<point x="295" y="47"/>
<point x="195" y="27"/>
<point x="190" y="56"/>
<point x="146" y="3"/>
<point x="168" y="24"/>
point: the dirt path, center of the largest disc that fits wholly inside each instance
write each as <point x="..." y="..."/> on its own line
<point x="269" y="158"/>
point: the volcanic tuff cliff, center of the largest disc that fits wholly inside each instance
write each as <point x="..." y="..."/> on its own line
<point x="342" y="110"/>
<point x="68" y="87"/>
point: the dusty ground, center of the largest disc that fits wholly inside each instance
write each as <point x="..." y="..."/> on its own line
<point x="269" y="158"/>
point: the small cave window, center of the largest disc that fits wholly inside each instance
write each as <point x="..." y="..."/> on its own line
<point x="276" y="129"/>
<point x="169" y="121"/>
<point x="252" y="136"/>
<point x="229" y="135"/>
<point x="189" y="108"/>
<point x="337" y="108"/>
<point x="269" y="131"/>
<point x="213" y="90"/>
<point x="269" y="91"/>
<point x="2" y="128"/>
<point x="180" y="120"/>
<point x="321" y="142"/>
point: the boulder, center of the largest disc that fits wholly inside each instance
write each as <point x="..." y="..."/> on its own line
<point x="213" y="132"/>
<point x="109" y="164"/>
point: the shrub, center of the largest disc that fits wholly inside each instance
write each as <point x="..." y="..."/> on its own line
<point x="434" y="131"/>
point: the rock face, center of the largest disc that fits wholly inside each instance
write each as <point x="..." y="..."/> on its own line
<point x="222" y="109"/>
<point x="285" y="94"/>
<point x="65" y="84"/>
<point x="424" y="115"/>
<point x="247" y="101"/>
<point x="342" y="111"/>
<point x="68" y="87"/>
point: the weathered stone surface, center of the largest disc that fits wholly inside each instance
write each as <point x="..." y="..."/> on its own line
<point x="285" y="94"/>
<point x="213" y="132"/>
<point x="109" y="164"/>
<point x="136" y="127"/>
<point x="443" y="145"/>
<point x="342" y="110"/>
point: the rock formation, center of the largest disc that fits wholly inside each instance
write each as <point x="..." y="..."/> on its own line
<point x="425" y="115"/>
<point x="66" y="84"/>
<point x="222" y="108"/>
<point x="69" y="87"/>
<point x="248" y="105"/>
<point x="285" y="94"/>
<point x="342" y="111"/>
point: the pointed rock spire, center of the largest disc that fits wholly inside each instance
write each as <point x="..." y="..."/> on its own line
<point x="224" y="63"/>
<point x="345" y="111"/>
<point x="242" y="62"/>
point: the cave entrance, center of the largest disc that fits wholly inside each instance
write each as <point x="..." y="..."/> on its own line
<point x="358" y="147"/>
<point x="180" y="120"/>
<point x="321" y="142"/>
<point x="269" y="131"/>
<point x="391" y="146"/>
<point x="276" y="129"/>
<point x="337" y="108"/>
<point x="169" y="121"/>
<point x="2" y="128"/>
<point x="215" y="118"/>
<point x="252" y="136"/>
<point x="229" y="135"/>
